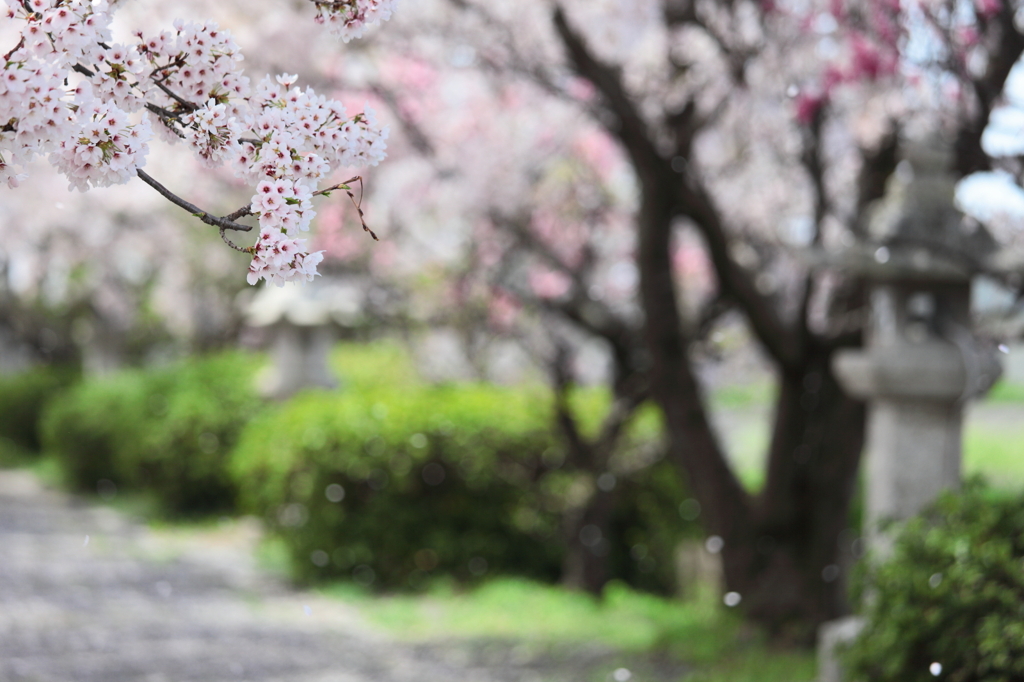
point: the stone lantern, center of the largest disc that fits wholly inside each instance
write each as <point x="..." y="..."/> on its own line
<point x="303" y="322"/>
<point x="921" y="362"/>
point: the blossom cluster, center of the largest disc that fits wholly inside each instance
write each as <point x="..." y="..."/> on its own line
<point x="33" y="114"/>
<point x="67" y="90"/>
<point x="292" y="139"/>
<point x="193" y="64"/>
<point x="34" y="103"/>
<point x="107" y="150"/>
<point x="348" y="19"/>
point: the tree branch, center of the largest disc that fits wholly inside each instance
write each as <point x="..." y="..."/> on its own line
<point x="590" y="315"/>
<point x="814" y="164"/>
<point x="225" y="223"/>
<point x="692" y="200"/>
<point x="780" y="341"/>
<point x="970" y="157"/>
<point x="631" y="128"/>
<point x="876" y="167"/>
<point x="561" y="381"/>
<point x="416" y="136"/>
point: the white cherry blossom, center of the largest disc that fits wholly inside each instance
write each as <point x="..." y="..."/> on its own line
<point x="67" y="90"/>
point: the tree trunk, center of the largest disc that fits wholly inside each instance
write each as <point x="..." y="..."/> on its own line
<point x="787" y="566"/>
<point x="780" y="550"/>
<point x="585" y="566"/>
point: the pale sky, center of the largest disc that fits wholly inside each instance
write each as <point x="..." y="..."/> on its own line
<point x="984" y="195"/>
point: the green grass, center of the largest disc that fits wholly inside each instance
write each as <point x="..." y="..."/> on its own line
<point x="993" y="444"/>
<point x="995" y="449"/>
<point x="739" y="396"/>
<point x="699" y="633"/>
<point x="13" y="455"/>
<point x="1006" y="392"/>
<point x="47" y="469"/>
<point x="366" y="366"/>
<point x="994" y="437"/>
<point x="758" y="666"/>
<point x="272" y="556"/>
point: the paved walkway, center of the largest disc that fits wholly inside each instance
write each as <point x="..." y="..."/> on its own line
<point x="86" y="595"/>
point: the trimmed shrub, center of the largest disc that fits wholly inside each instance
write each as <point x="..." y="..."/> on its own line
<point x="649" y="522"/>
<point x="949" y="603"/>
<point x="82" y="428"/>
<point x="395" y="484"/>
<point x="167" y="432"/>
<point x="22" y="399"/>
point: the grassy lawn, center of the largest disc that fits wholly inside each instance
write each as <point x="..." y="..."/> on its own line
<point x="707" y="641"/>
<point x="993" y="444"/>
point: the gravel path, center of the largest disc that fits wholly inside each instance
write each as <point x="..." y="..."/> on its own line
<point x="87" y="595"/>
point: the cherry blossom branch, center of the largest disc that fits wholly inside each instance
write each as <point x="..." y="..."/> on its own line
<point x="17" y="47"/>
<point x="517" y="227"/>
<point x="814" y="164"/>
<point x="163" y="113"/>
<point x="102" y="143"/>
<point x="593" y="316"/>
<point x="241" y="249"/>
<point x="737" y="57"/>
<point x="346" y="186"/>
<point x="632" y="130"/>
<point x="188" y="106"/>
<point x="334" y="4"/>
<point x="224" y="223"/>
<point x="593" y="454"/>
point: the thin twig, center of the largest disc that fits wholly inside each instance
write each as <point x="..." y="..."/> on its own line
<point x="355" y="202"/>
<point x="236" y="247"/>
<point x="161" y="112"/>
<point x="84" y="70"/>
<point x="14" y="49"/>
<point x="166" y="70"/>
<point x="225" y="223"/>
<point x="188" y="106"/>
<point x="240" y="213"/>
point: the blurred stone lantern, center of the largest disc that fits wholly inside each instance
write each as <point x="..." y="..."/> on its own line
<point x="303" y="322"/>
<point x="921" y="361"/>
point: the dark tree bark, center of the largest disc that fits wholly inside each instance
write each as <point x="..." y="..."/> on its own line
<point x="585" y="566"/>
<point x="789" y="560"/>
<point x="781" y="548"/>
<point x="587" y="529"/>
<point x="781" y="545"/>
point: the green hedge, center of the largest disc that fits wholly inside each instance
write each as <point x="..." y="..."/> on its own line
<point x="352" y="483"/>
<point x="167" y="432"/>
<point x="949" y="603"/>
<point x="433" y="481"/>
<point x="649" y="522"/>
<point x="23" y="397"/>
